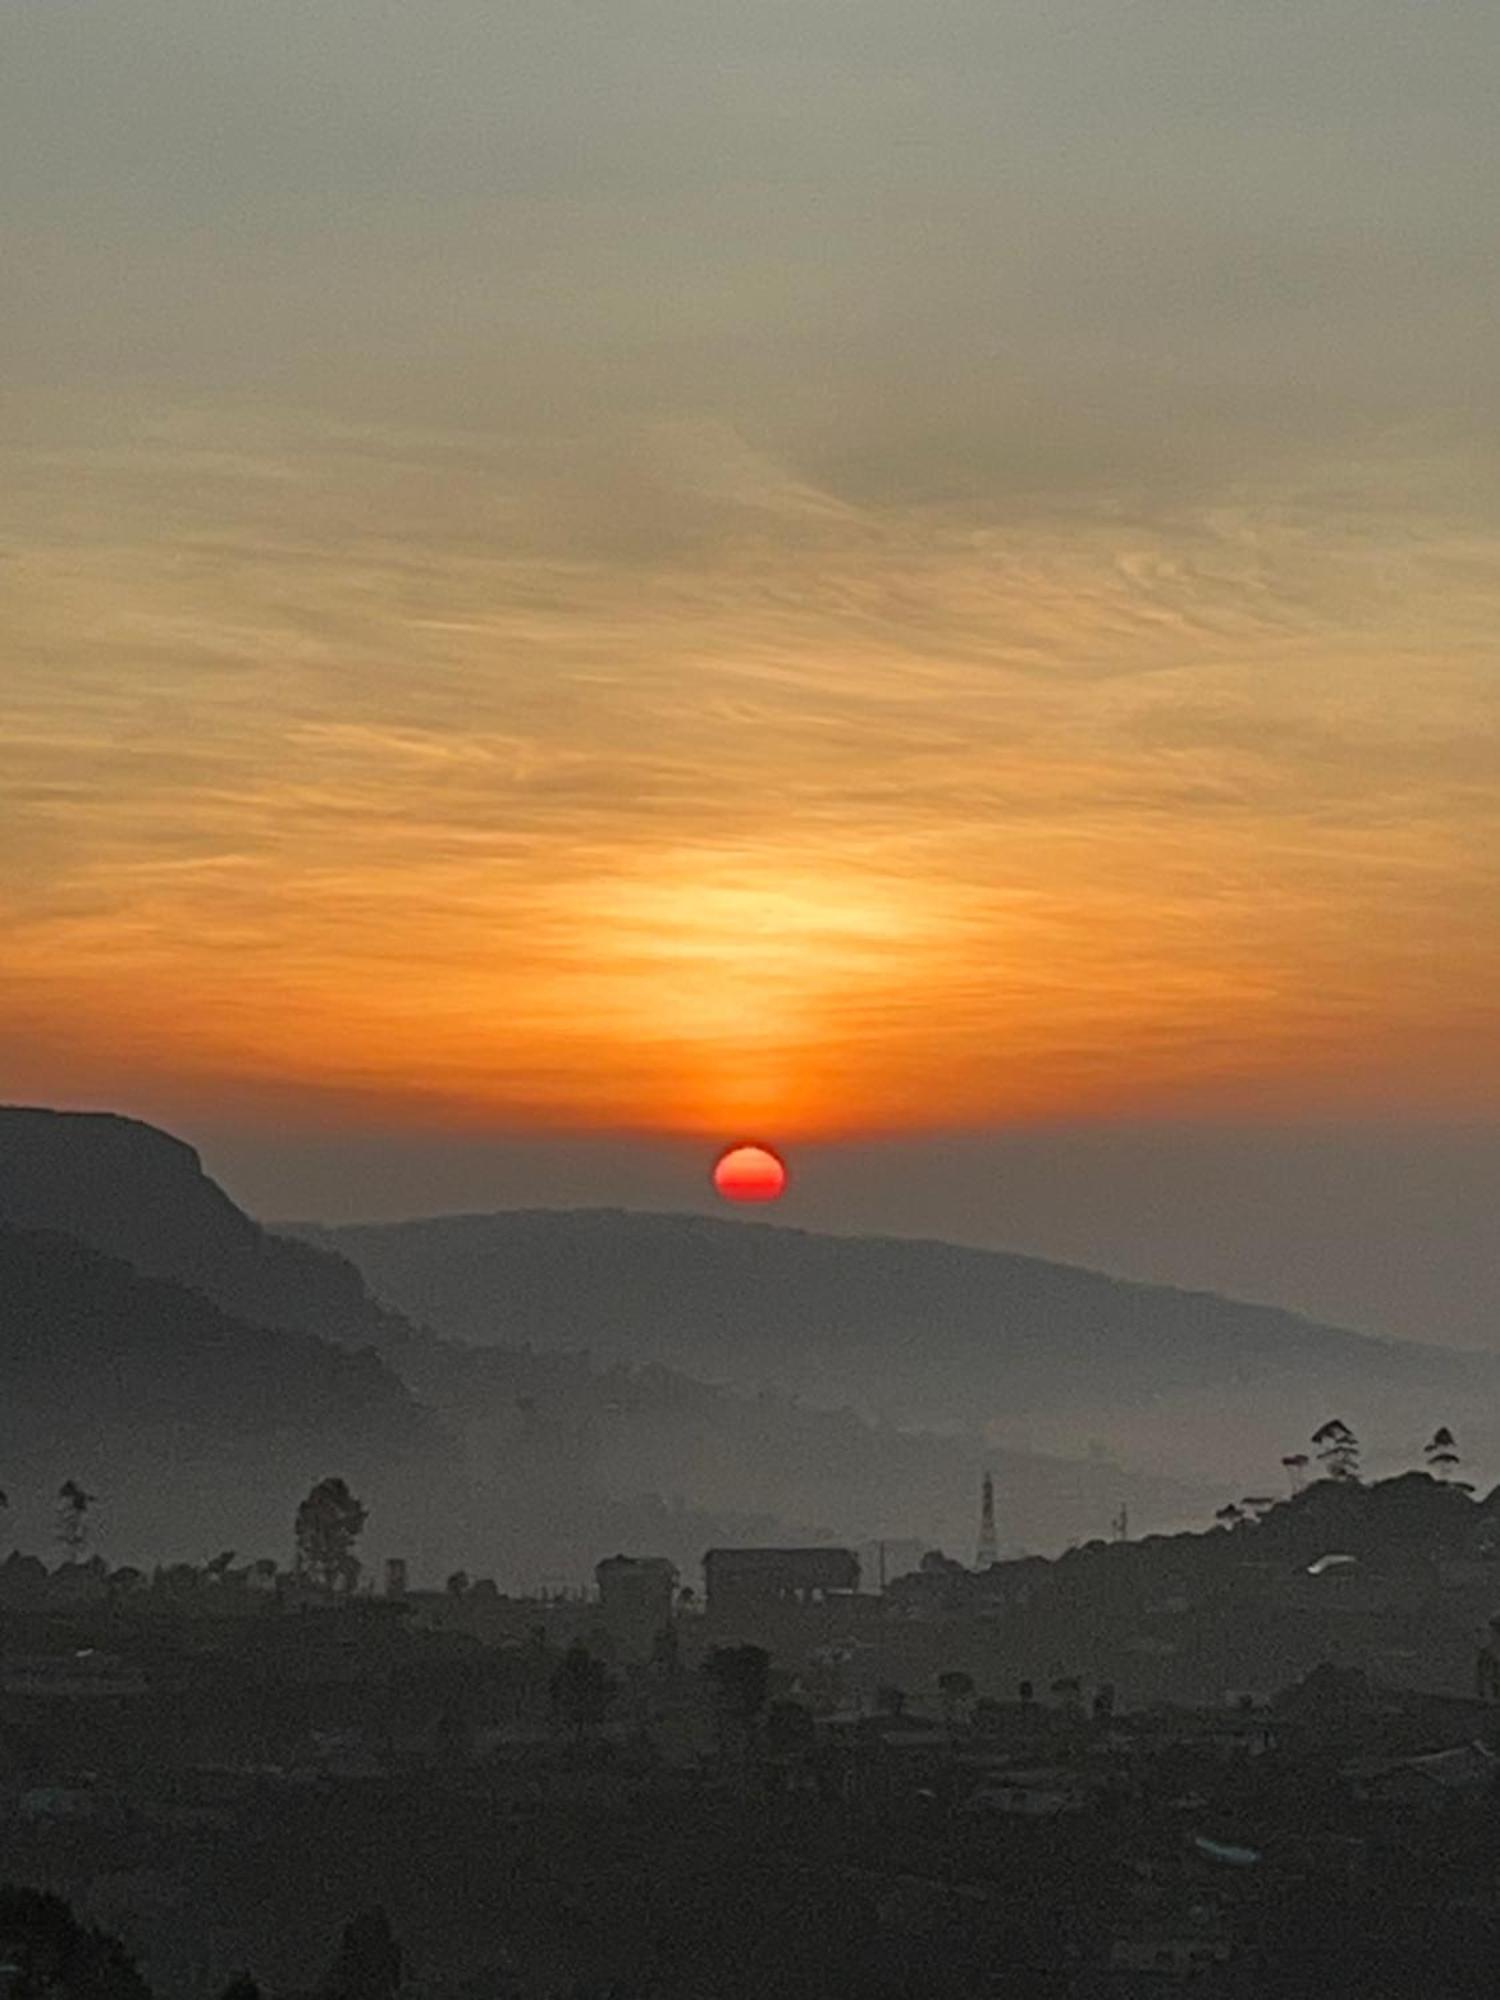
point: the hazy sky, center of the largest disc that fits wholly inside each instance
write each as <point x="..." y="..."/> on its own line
<point x="827" y="567"/>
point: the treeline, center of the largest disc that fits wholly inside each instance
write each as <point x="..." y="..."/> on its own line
<point x="1337" y="1452"/>
<point x="325" y="1534"/>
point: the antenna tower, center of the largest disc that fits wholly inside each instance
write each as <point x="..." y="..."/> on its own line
<point x="989" y="1548"/>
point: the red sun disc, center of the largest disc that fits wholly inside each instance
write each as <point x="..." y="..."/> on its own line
<point x="750" y="1173"/>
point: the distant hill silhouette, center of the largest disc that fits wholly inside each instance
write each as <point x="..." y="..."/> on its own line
<point x="133" y="1190"/>
<point x="158" y="1344"/>
<point x="562" y="1457"/>
<point x="197" y="1427"/>
<point x="916" y="1333"/>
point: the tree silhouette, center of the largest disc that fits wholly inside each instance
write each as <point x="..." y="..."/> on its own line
<point x="1338" y="1449"/>
<point x="329" y="1523"/>
<point x="178" y="1579"/>
<point x="368" y="1966"/>
<point x="73" y="1506"/>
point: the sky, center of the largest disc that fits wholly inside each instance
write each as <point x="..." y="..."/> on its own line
<point x="611" y="574"/>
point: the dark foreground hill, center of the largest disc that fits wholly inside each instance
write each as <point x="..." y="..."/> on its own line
<point x="550" y="1459"/>
<point x="139" y="1193"/>
<point x="1398" y="1580"/>
<point x="916" y="1333"/>
<point x="116" y="1346"/>
<point x="195" y="1428"/>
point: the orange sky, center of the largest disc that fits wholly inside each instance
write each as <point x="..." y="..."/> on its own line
<point x="848" y="821"/>
<point x="640" y="650"/>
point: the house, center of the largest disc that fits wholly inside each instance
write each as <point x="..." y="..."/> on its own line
<point x="636" y="1595"/>
<point x="738" y="1580"/>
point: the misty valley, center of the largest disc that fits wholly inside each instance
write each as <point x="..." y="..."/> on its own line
<point x="605" y="1601"/>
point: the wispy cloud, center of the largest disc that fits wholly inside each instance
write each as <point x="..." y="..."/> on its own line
<point x="368" y="767"/>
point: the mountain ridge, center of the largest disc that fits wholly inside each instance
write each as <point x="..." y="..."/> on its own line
<point x="913" y="1332"/>
<point x="563" y="1458"/>
<point x="515" y="1231"/>
<point x="136" y="1191"/>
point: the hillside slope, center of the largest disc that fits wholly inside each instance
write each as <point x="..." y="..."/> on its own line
<point x="561" y="1459"/>
<point x="90" y="1331"/>
<point x="199" y="1430"/>
<point x="909" y="1323"/>
<point x="137" y="1192"/>
<point x="915" y="1333"/>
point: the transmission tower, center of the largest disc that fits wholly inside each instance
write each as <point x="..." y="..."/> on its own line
<point x="989" y="1548"/>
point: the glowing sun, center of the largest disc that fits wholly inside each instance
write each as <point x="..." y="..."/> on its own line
<point x="749" y="1173"/>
